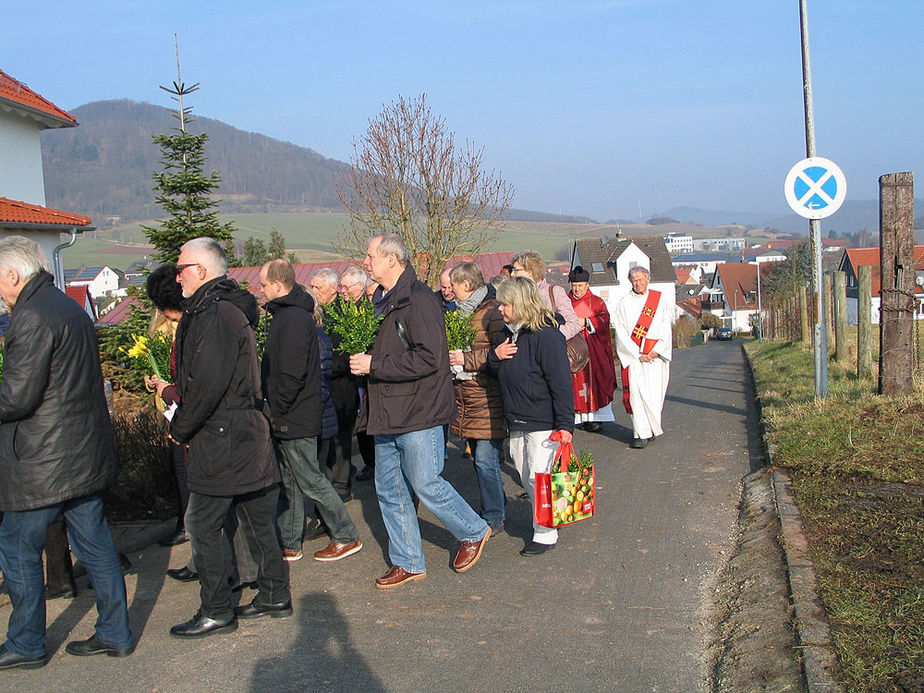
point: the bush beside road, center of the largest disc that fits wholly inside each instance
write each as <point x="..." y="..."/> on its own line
<point x="857" y="466"/>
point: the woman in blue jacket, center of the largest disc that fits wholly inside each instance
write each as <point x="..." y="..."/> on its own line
<point x="535" y="381"/>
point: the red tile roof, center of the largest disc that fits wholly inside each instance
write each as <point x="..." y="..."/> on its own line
<point x="15" y="212"/>
<point x="490" y="264"/>
<point x="683" y="274"/>
<point x="870" y="256"/>
<point x="12" y="91"/>
<point x="81" y="294"/>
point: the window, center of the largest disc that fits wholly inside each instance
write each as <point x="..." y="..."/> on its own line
<point x="596" y="266"/>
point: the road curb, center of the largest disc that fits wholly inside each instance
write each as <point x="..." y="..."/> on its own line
<point x="813" y="632"/>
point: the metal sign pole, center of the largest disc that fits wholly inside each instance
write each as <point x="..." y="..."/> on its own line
<point x="821" y="339"/>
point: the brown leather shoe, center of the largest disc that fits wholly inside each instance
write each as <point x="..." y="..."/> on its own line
<point x="397" y="576"/>
<point x="469" y="553"/>
<point x="335" y="550"/>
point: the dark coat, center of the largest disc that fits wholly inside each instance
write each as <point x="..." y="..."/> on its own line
<point x="292" y="367"/>
<point x="536" y="383"/>
<point x="56" y="440"/>
<point x="220" y="415"/>
<point x="409" y="384"/>
<point x="479" y="405"/>
<point x="329" y="413"/>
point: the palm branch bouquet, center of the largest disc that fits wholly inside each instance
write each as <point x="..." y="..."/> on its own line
<point x="460" y="333"/>
<point x="356" y="323"/>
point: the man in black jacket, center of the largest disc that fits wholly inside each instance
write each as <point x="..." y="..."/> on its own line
<point x="56" y="456"/>
<point x="292" y="386"/>
<point x="229" y="454"/>
<point x="410" y="400"/>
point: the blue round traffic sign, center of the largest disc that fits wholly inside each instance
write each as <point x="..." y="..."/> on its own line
<point x="815" y="188"/>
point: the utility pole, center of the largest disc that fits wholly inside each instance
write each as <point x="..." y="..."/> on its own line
<point x="820" y="341"/>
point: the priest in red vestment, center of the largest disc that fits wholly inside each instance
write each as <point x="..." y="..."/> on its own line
<point x="594" y="385"/>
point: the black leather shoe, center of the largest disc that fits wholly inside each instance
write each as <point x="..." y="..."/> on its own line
<point x="178" y="537"/>
<point x="92" y="646"/>
<point x="183" y="574"/>
<point x="200" y="626"/>
<point x="11" y="660"/>
<point x="592" y="426"/>
<point x="367" y="474"/>
<point x="67" y="590"/>
<point x="639" y="443"/>
<point x="254" y="610"/>
<point x="536" y="549"/>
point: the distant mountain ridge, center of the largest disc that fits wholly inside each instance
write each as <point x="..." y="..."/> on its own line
<point x="850" y="218"/>
<point x="104" y="167"/>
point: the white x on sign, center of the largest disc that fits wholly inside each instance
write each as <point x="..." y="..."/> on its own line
<point x="815" y="188"/>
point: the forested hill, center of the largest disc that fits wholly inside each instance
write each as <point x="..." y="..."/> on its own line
<point x="104" y="167"/>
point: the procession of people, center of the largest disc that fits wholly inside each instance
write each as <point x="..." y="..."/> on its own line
<point x="254" y="437"/>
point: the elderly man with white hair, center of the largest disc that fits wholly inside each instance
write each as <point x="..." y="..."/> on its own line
<point x="229" y="453"/>
<point x="56" y="456"/>
<point x="643" y="343"/>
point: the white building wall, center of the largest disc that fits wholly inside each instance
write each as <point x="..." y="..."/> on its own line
<point x="21" y="176"/>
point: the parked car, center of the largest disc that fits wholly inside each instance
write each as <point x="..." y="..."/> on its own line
<point x="724" y="333"/>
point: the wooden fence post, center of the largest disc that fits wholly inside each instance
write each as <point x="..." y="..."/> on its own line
<point x="865" y="322"/>
<point x="896" y="244"/>
<point x="840" y="317"/>
<point x="804" y="316"/>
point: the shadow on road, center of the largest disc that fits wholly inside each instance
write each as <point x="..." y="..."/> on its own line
<point x="323" y="656"/>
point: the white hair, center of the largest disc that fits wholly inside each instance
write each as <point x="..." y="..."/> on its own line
<point x="326" y="275"/>
<point x="23" y="255"/>
<point x="210" y="253"/>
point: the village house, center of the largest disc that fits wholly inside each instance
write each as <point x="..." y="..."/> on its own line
<point x="854" y="258"/>
<point x="732" y="294"/>
<point x="608" y="262"/>
<point x="23" y="115"/>
<point x="100" y="281"/>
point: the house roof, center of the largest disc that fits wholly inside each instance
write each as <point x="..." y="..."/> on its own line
<point x="490" y="264"/>
<point x="14" y="95"/>
<point x="739" y="283"/>
<point x="81" y="294"/>
<point x="853" y="258"/>
<point x="16" y="214"/>
<point x="683" y="274"/>
<point x="86" y="274"/>
<point x="603" y="251"/>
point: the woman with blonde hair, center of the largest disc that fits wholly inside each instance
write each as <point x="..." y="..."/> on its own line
<point x="535" y="382"/>
<point x="530" y="264"/>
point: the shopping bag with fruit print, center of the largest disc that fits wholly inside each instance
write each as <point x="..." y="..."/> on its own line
<point x="571" y="486"/>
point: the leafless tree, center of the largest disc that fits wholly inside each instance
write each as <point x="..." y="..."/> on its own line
<point x="409" y="177"/>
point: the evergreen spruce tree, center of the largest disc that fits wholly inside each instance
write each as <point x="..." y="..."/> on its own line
<point x="184" y="189"/>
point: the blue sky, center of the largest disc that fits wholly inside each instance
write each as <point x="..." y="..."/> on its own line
<point x="604" y="108"/>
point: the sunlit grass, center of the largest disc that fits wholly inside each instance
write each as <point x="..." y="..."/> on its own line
<point x="857" y="462"/>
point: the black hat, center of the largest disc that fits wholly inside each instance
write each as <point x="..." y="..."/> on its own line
<point x="578" y="274"/>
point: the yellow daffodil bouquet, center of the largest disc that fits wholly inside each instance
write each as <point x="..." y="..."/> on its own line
<point x="153" y="352"/>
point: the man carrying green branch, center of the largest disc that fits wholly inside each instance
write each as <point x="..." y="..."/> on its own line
<point x="410" y="400"/>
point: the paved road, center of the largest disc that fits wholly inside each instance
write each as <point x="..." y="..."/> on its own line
<point x="620" y="605"/>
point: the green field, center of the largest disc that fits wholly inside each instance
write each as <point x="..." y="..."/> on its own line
<point x="308" y="234"/>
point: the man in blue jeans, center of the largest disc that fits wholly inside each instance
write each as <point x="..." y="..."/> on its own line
<point x="56" y="456"/>
<point x="410" y="399"/>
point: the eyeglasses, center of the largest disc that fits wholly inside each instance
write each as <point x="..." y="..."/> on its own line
<point x="180" y="268"/>
<point x="342" y="287"/>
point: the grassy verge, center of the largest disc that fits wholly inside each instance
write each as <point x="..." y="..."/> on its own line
<point x="857" y="462"/>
